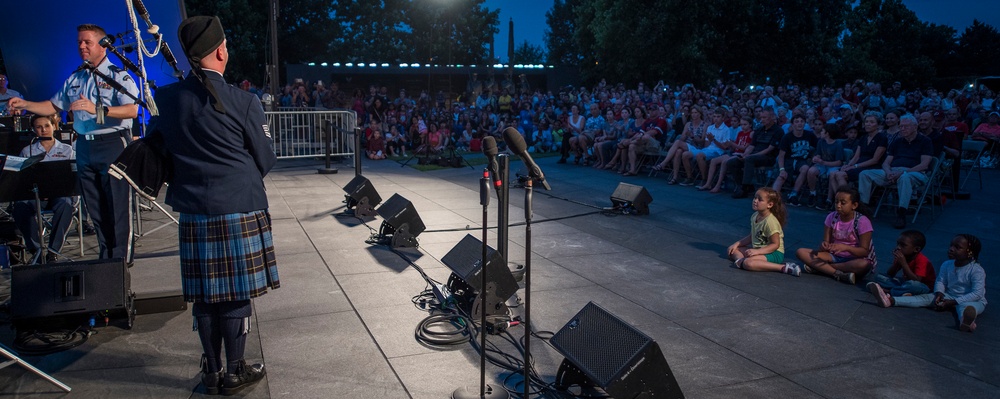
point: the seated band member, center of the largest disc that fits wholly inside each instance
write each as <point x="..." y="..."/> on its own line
<point x="62" y="207"/>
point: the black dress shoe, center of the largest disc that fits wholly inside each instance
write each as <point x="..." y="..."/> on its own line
<point x="244" y="375"/>
<point x="211" y="381"/>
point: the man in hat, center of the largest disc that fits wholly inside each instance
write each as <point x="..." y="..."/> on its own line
<point x="102" y="98"/>
<point x="220" y="146"/>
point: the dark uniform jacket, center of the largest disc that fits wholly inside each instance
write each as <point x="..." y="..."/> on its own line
<point x="219" y="160"/>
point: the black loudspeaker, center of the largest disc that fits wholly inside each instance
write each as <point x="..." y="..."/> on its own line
<point x="602" y="350"/>
<point x="631" y="198"/>
<point x="465" y="261"/>
<point x="70" y="288"/>
<point x="401" y="221"/>
<point x="361" y="196"/>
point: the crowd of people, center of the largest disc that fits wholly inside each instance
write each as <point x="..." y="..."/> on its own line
<point x="822" y="147"/>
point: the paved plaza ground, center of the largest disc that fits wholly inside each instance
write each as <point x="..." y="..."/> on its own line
<point x="342" y="323"/>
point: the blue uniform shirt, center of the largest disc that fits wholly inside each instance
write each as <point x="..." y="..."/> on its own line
<point x="94" y="87"/>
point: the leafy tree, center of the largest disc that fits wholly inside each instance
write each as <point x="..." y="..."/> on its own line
<point x="527" y="53"/>
<point x="559" y="36"/>
<point x="374" y="31"/>
<point x="456" y="30"/>
<point x="885" y="44"/>
<point x="977" y="51"/>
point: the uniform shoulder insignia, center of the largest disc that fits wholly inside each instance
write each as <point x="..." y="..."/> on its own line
<point x="267" y="130"/>
<point x="115" y="68"/>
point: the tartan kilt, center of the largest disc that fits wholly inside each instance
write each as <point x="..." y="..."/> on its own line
<point x="226" y="257"/>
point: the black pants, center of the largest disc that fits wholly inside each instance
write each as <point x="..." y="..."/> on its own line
<point x="108" y="200"/>
<point x="743" y="169"/>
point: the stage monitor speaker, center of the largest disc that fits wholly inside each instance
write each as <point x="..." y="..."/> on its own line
<point x="361" y="196"/>
<point x="69" y="288"/>
<point x="401" y="221"/>
<point x="631" y="198"/>
<point x="604" y="351"/>
<point x="466" y="261"/>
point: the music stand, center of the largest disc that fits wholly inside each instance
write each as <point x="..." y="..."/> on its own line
<point x="36" y="180"/>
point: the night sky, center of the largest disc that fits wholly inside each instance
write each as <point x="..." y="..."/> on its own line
<point x="529" y="17"/>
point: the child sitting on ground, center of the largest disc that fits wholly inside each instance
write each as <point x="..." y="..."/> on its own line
<point x="846" y="252"/>
<point x="918" y="272"/>
<point x="764" y="249"/>
<point x="960" y="285"/>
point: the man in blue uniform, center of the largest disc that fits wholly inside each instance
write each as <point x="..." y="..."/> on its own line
<point x="220" y="147"/>
<point x="101" y="97"/>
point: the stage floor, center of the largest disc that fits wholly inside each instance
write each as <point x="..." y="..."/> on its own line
<point x="342" y="323"/>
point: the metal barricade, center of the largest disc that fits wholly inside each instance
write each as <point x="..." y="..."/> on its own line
<point x="299" y="132"/>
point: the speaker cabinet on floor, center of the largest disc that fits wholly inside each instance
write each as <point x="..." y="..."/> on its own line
<point x="400" y="221"/>
<point x="631" y="198"/>
<point x="362" y="197"/>
<point x="604" y="351"/>
<point x="466" y="262"/>
<point x="70" y="288"/>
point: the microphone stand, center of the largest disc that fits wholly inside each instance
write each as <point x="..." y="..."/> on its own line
<point x="527" y="286"/>
<point x="485" y="391"/>
<point x="503" y="208"/>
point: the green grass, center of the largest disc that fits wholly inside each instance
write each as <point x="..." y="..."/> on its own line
<point x="474" y="159"/>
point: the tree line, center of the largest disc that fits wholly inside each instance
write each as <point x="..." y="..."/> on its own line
<point x="809" y="41"/>
<point x="698" y="41"/>
<point x="393" y="31"/>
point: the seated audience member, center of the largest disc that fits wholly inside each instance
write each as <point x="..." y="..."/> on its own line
<point x="794" y="152"/>
<point x="763" y="250"/>
<point x="394" y="142"/>
<point x="867" y="155"/>
<point x="829" y="158"/>
<point x="647" y="139"/>
<point x="989" y="130"/>
<point x="717" y="137"/>
<point x="733" y="147"/>
<point x="918" y="271"/>
<point x="907" y="160"/>
<point x="375" y="147"/>
<point x="762" y="152"/>
<point x="620" y="158"/>
<point x="846" y="252"/>
<point x="960" y="285"/>
<point x="693" y="136"/>
<point x="62" y="207"/>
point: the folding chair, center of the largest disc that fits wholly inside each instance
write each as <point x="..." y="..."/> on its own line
<point x="972" y="152"/>
<point x="931" y="188"/>
<point x="77" y="220"/>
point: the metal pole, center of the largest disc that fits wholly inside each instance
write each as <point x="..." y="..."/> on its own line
<point x="328" y="140"/>
<point x="273" y="71"/>
<point x="357" y="151"/>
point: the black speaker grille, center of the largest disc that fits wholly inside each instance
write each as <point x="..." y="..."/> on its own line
<point x="600" y="344"/>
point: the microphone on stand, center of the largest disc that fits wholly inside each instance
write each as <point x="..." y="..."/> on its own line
<point x="491" y="151"/>
<point x="516" y="144"/>
<point x="108" y="43"/>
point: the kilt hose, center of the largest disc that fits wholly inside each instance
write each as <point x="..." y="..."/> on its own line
<point x="226" y="257"/>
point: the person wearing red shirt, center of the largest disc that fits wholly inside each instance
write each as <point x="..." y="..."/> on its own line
<point x="918" y="271"/>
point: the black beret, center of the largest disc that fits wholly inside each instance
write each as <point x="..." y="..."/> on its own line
<point x="200" y="36"/>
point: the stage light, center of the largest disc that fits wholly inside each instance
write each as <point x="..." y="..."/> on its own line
<point x="401" y="224"/>
<point x="349" y="64"/>
<point x="385" y="65"/>
<point x="323" y="64"/>
<point x="336" y="64"/>
<point x="415" y="65"/>
<point x="311" y="64"/>
<point x="372" y="65"/>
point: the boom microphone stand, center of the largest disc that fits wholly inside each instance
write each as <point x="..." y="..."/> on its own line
<point x="485" y="391"/>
